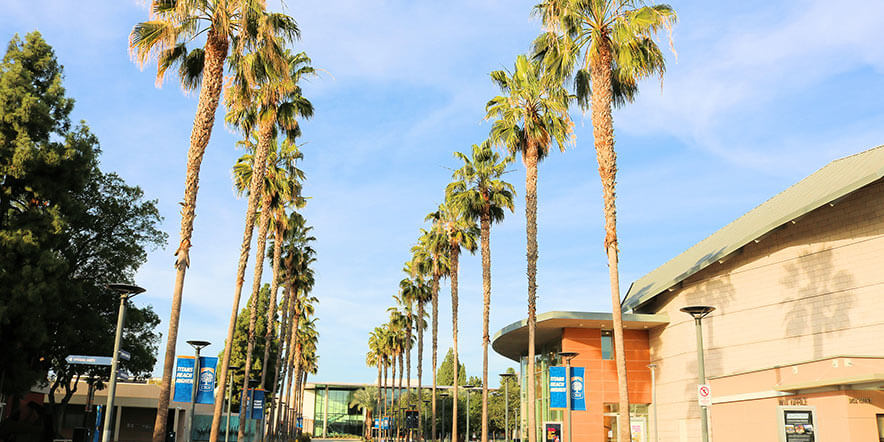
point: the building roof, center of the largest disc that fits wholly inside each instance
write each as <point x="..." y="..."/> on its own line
<point x="512" y="340"/>
<point x="825" y="186"/>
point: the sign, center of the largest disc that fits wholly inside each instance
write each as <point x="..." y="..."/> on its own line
<point x="638" y="429"/>
<point x="799" y="426"/>
<point x="88" y="360"/>
<point x="124" y="355"/>
<point x="552" y="432"/>
<point x="578" y="389"/>
<point x="558" y="390"/>
<point x="257" y="403"/>
<point x="184" y="379"/>
<point x="205" y="393"/>
<point x="704" y="395"/>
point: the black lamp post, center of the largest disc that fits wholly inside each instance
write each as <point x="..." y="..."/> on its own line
<point x="698" y="312"/>
<point x="567" y="356"/>
<point x="231" y="370"/>
<point x="443" y="395"/>
<point x="197" y="346"/>
<point x="125" y="291"/>
<point x="506" y="400"/>
<point x="468" y="388"/>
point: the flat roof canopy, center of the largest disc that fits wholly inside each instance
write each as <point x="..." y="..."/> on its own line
<point x="512" y="340"/>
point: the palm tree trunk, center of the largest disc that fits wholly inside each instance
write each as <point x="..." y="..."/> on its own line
<point x="408" y="365"/>
<point x="289" y="396"/>
<point x="420" y="361"/>
<point x="284" y="345"/>
<point x="603" y="132"/>
<point x="258" y="170"/>
<point x="380" y="412"/>
<point x="386" y="392"/>
<point x="256" y="186"/>
<point x="531" y="228"/>
<point x="435" y="301"/>
<point x="399" y="393"/>
<point x="271" y="312"/>
<point x="210" y="92"/>
<point x="485" y="222"/>
<point x="455" y="251"/>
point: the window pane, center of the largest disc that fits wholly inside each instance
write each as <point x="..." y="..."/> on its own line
<point x="607" y="345"/>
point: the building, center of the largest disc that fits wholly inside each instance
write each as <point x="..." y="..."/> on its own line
<point x="794" y="348"/>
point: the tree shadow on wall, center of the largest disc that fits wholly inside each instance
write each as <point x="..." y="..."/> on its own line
<point x="823" y="298"/>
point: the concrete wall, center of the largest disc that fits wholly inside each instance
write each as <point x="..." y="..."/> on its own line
<point x="809" y="290"/>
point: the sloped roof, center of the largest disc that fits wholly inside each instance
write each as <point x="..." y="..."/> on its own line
<point x="834" y="181"/>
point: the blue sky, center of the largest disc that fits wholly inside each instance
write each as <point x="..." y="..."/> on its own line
<point x="761" y="94"/>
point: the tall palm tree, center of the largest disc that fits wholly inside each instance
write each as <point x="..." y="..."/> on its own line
<point x="460" y="232"/>
<point x="481" y="194"/>
<point x="264" y="96"/>
<point x="363" y="400"/>
<point x="173" y="26"/>
<point x="531" y="115"/>
<point x="374" y="358"/>
<point x="614" y="43"/>
<point x="418" y="291"/>
<point x="433" y="248"/>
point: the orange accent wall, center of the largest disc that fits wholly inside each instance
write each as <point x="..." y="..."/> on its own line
<point x="601" y="377"/>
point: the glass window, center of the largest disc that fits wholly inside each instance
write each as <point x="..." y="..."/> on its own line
<point x="607" y="344"/>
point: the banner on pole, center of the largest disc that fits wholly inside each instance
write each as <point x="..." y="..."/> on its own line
<point x="205" y="393"/>
<point x="558" y="390"/>
<point x="257" y="404"/>
<point x="184" y="379"/>
<point x="578" y="389"/>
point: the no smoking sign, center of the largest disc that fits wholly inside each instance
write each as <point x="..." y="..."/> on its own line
<point x="704" y="395"/>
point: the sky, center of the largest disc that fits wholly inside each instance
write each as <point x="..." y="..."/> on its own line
<point x="759" y="95"/>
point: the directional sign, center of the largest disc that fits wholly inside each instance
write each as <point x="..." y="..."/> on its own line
<point x="124" y="355"/>
<point x="88" y="360"/>
<point x="704" y="395"/>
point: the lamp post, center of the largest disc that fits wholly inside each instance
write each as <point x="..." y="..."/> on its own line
<point x="197" y="345"/>
<point x="567" y="356"/>
<point x="443" y="395"/>
<point x="506" y="400"/>
<point x="653" y="368"/>
<point x="231" y="370"/>
<point x="467" y="388"/>
<point x="425" y="417"/>
<point x="125" y="291"/>
<point x="698" y="312"/>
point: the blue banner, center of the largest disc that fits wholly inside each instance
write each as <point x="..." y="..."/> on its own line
<point x="184" y="379"/>
<point x="558" y="390"/>
<point x="257" y="403"/>
<point x="205" y="393"/>
<point x="578" y="389"/>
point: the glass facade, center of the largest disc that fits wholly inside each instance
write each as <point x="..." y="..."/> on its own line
<point x="342" y="419"/>
<point x="545" y="358"/>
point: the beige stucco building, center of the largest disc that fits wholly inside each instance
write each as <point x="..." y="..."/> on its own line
<point x="798" y="329"/>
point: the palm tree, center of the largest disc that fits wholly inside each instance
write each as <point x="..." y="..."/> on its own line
<point x="173" y="26"/>
<point x="418" y="291"/>
<point x="529" y="118"/>
<point x="481" y="194"/>
<point x="265" y="97"/>
<point x="615" y="40"/>
<point x="374" y="358"/>
<point x="363" y="400"/>
<point x="433" y="248"/>
<point x="460" y="232"/>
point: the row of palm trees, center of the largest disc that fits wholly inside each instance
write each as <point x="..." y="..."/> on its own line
<point x="264" y="102"/>
<point x="602" y="49"/>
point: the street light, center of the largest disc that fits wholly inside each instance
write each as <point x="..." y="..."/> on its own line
<point x="467" y="388"/>
<point x="653" y="368"/>
<point x="197" y="345"/>
<point x="698" y="312"/>
<point x="443" y="395"/>
<point x="125" y="291"/>
<point x="567" y="356"/>
<point x="231" y="369"/>
<point x="506" y="388"/>
<point x="425" y="417"/>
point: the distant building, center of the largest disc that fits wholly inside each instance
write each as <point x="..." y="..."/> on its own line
<point x="795" y="347"/>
